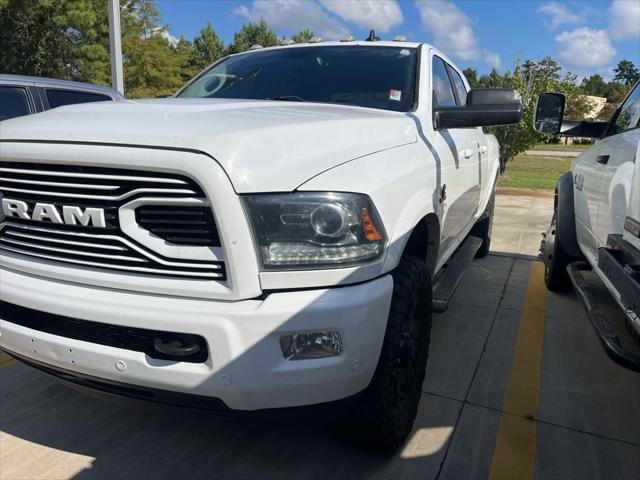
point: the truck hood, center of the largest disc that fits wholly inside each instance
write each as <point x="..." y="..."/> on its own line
<point x="262" y="145"/>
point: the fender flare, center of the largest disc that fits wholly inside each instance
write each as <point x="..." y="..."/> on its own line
<point x="566" y="218"/>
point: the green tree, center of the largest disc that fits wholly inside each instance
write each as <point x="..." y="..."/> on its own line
<point x="529" y="80"/>
<point x="303" y="36"/>
<point x="55" y="39"/>
<point x="577" y="104"/>
<point x="207" y="47"/>
<point x="547" y="68"/>
<point x="492" y="80"/>
<point x="594" y="85"/>
<point x="152" y="66"/>
<point x="626" y="72"/>
<point x="252" y="34"/>
<point x="472" y="77"/>
<point x="616" y="92"/>
<point x="188" y="59"/>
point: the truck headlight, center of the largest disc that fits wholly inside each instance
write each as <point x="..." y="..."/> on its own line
<point x="315" y="230"/>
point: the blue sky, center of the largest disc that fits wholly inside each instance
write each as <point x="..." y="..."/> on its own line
<point x="584" y="36"/>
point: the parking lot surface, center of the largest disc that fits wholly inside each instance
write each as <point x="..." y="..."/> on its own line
<point x="519" y="220"/>
<point x="517" y="387"/>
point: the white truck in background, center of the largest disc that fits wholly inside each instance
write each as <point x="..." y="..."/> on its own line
<point x="265" y="239"/>
<point x="596" y="224"/>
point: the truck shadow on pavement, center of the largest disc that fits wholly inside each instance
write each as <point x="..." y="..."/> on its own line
<point x="587" y="405"/>
<point x="89" y="438"/>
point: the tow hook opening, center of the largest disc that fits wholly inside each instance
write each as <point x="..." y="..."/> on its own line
<point x="179" y="347"/>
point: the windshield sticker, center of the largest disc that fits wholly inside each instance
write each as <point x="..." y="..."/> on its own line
<point x="405" y="52"/>
<point x="395" y="95"/>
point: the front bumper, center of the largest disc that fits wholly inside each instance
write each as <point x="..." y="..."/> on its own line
<point x="245" y="368"/>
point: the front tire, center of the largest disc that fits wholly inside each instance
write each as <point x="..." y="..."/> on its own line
<point x="384" y="417"/>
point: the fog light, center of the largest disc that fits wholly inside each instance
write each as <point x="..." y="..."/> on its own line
<point x="306" y="345"/>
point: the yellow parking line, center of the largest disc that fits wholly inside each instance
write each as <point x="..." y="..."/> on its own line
<point x="6" y="360"/>
<point x="515" y="450"/>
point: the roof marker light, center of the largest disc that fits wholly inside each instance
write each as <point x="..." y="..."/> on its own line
<point x="399" y="38"/>
<point x="347" y="38"/>
<point x="286" y="41"/>
<point x="316" y="40"/>
<point x="256" y="46"/>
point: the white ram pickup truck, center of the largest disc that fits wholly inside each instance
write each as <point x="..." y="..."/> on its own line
<point x="596" y="225"/>
<point x="267" y="238"/>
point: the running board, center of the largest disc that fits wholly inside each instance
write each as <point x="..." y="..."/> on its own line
<point x="605" y="331"/>
<point x="446" y="285"/>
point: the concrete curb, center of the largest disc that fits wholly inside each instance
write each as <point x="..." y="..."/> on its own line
<point x="530" y="192"/>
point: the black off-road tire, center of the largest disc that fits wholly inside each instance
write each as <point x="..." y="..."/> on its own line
<point x="555" y="259"/>
<point x="383" y="418"/>
<point x="483" y="227"/>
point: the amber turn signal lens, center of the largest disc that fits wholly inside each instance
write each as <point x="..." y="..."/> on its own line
<point x="371" y="233"/>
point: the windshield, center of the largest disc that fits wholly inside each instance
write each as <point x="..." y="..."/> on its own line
<point x="376" y="77"/>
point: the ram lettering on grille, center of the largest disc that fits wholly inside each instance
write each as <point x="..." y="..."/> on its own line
<point x="71" y="215"/>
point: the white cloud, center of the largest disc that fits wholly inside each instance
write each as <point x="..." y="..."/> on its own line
<point x="558" y="14"/>
<point x="452" y="31"/>
<point x="492" y="59"/>
<point x="381" y="15"/>
<point x="163" y="33"/>
<point x="170" y="38"/>
<point x="585" y="47"/>
<point x="292" y="16"/>
<point x="625" y="19"/>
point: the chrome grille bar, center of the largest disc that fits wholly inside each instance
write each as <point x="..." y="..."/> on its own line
<point x="99" y="197"/>
<point x="71" y="252"/>
<point x="66" y="242"/>
<point x="93" y="175"/>
<point x="211" y="276"/>
<point x="59" y="184"/>
<point x="107" y="246"/>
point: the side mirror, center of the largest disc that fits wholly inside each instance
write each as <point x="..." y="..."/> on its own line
<point x="485" y="106"/>
<point x="549" y="119"/>
<point x="549" y="113"/>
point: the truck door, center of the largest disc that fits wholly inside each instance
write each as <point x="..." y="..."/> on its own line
<point x="477" y="139"/>
<point x="460" y="163"/>
<point x="617" y="156"/>
<point x="587" y="186"/>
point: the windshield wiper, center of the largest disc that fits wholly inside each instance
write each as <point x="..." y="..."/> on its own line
<point x="288" y="98"/>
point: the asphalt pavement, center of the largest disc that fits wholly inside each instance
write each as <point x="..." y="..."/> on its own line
<point x="517" y="386"/>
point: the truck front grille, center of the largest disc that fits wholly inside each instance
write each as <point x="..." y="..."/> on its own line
<point x="180" y="225"/>
<point x="91" y="185"/>
<point x="108" y="246"/>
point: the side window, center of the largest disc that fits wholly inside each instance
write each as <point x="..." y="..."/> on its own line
<point x="461" y="91"/>
<point x="58" y="98"/>
<point x="13" y="102"/>
<point x="442" y="91"/>
<point x="629" y="115"/>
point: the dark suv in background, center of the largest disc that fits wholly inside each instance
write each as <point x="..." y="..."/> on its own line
<point x="23" y="95"/>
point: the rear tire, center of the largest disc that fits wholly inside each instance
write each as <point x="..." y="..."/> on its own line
<point x="555" y="259"/>
<point x="383" y="418"/>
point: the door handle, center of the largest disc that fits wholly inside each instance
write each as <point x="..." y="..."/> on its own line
<point x="467" y="152"/>
<point x="602" y="159"/>
<point x="483" y="149"/>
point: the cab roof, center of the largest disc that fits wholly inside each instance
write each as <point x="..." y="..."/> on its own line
<point x="337" y="43"/>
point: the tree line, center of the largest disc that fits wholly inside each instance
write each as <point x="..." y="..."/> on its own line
<point x="70" y="40"/>
<point x="531" y="78"/>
